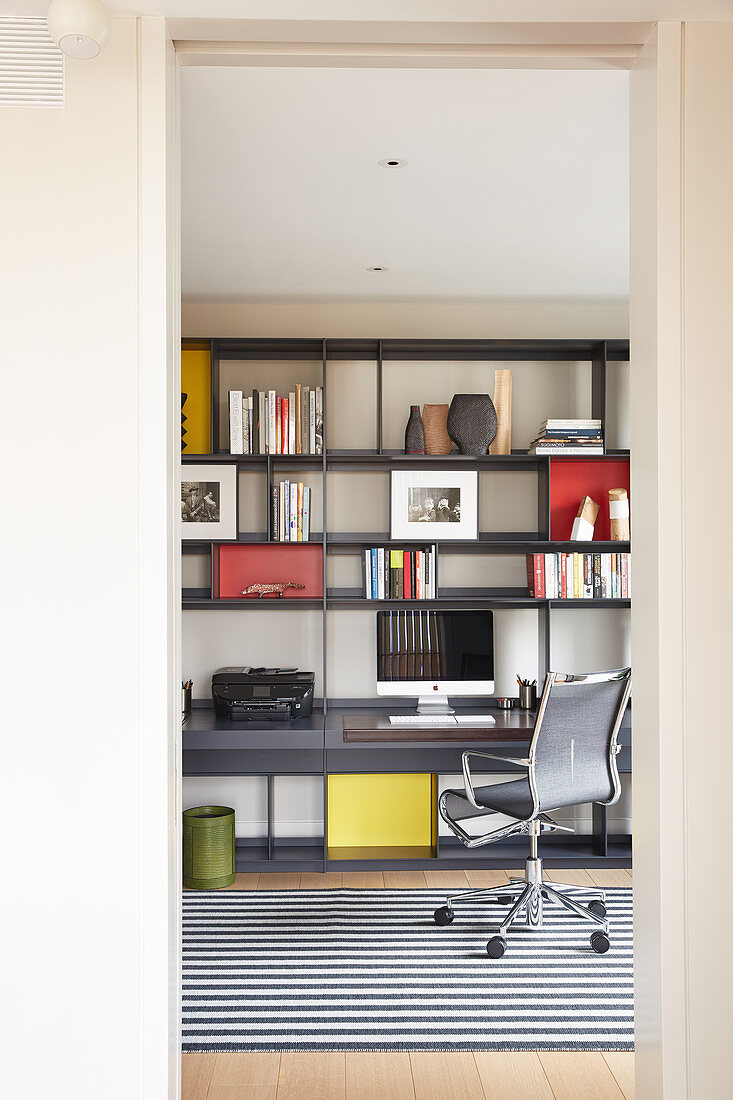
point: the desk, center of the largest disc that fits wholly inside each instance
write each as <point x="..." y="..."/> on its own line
<point x="316" y="746"/>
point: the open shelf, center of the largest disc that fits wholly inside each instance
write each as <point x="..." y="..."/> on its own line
<point x="499" y="542"/>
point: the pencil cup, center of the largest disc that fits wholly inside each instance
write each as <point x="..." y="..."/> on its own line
<point x="185" y="701"/>
<point x="527" y="696"/>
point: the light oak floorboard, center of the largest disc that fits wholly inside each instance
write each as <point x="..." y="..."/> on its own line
<point x="610" y="876"/>
<point x="246" y="1069"/>
<point x="572" y="876"/>
<point x="477" y="879"/>
<point x="242" y="1092"/>
<point x="378" y="1076"/>
<point x="315" y="880"/>
<point x="516" y="1075"/>
<point x="363" y="880"/>
<point x="621" y="1064"/>
<point x="404" y="880"/>
<point x="316" y="1076"/>
<point x="579" y="1075"/>
<point x="279" y="880"/>
<point x="452" y="1076"/>
<point x="196" y="1070"/>
<point x="451" y="880"/>
<point x="244" y="881"/>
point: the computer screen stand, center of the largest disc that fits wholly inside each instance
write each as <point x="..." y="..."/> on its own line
<point x="434" y="704"/>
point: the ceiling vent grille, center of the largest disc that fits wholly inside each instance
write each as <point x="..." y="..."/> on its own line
<point x="31" y="65"/>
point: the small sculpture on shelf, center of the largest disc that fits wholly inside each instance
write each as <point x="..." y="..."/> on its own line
<point x="618" y="509"/>
<point x="585" y="521"/>
<point x="414" y="433"/>
<point x="472" y="423"/>
<point x="278" y="589"/>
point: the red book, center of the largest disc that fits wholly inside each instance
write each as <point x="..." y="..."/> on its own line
<point x="563" y="576"/>
<point x="530" y="575"/>
<point x="284" y="434"/>
<point x="407" y="582"/>
<point x="539" y="576"/>
<point x="418" y="578"/>
<point x="278" y="425"/>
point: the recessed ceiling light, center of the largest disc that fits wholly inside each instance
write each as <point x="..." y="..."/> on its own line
<point x="377" y="269"/>
<point x="392" y="162"/>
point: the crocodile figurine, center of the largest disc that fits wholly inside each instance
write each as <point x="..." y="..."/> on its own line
<point x="261" y="590"/>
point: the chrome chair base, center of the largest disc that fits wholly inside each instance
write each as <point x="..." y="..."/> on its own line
<point x="527" y="897"/>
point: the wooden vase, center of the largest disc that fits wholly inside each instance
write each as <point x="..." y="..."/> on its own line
<point x="437" y="440"/>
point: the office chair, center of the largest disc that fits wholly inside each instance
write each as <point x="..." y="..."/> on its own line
<point x="571" y="760"/>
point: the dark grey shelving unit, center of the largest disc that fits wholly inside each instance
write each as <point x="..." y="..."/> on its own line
<point x="211" y="748"/>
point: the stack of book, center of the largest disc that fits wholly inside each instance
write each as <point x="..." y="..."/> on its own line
<point x="400" y="574"/>
<point x="278" y="424"/>
<point x="568" y="437"/>
<point x="579" y="576"/>
<point x="291" y="512"/>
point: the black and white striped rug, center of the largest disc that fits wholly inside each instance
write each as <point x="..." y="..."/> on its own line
<point x="317" y="970"/>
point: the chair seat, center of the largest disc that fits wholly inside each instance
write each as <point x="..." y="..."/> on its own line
<point x="513" y="799"/>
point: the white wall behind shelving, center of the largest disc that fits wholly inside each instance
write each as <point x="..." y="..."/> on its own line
<point x="583" y="640"/>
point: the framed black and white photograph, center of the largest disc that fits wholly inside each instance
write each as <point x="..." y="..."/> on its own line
<point x="209" y="502"/>
<point x="433" y="504"/>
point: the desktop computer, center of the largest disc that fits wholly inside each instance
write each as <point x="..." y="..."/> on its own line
<point x="433" y="655"/>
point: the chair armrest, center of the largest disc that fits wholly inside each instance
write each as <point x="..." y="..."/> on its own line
<point x="521" y="762"/>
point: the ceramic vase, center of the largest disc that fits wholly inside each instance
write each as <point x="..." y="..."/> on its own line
<point x="472" y="423"/>
<point x="437" y="440"/>
<point x="415" y="433"/>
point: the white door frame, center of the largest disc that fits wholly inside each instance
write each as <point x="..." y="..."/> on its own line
<point x="648" y="627"/>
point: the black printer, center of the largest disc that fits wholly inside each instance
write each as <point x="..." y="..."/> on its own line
<point x="253" y="694"/>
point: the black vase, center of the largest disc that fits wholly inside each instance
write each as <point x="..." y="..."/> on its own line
<point x="415" y="433"/>
<point x="472" y="422"/>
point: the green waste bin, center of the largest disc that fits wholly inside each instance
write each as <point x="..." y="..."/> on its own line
<point x="208" y="847"/>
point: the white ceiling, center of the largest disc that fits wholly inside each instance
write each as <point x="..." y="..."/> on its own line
<point x="516" y="186"/>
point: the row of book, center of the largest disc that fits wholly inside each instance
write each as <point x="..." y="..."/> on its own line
<point x="291" y="512"/>
<point x="579" y="576"/>
<point x="568" y="437"/>
<point x="281" y="424"/>
<point x="400" y="574"/>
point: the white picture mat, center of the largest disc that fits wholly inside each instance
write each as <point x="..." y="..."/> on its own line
<point x="226" y="476"/>
<point x="465" y="482"/>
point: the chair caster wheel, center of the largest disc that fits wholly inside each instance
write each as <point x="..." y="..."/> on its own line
<point x="444" y="915"/>
<point x="496" y="947"/>
<point x="598" y="908"/>
<point x="600" y="943"/>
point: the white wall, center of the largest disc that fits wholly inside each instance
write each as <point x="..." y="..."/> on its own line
<point x="583" y="639"/>
<point x="88" y="921"/>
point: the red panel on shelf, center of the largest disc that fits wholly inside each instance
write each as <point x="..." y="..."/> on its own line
<point x="240" y="566"/>
<point x="571" y="479"/>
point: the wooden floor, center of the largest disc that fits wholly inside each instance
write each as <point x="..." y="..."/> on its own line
<point x="420" y="1076"/>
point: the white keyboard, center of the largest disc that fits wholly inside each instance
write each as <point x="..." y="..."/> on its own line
<point x="442" y="719"/>
<point x="422" y="719"/>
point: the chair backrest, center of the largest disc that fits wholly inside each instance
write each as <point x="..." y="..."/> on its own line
<point x="574" y="741"/>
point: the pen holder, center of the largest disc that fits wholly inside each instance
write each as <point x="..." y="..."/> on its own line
<point x="527" y="696"/>
<point x="185" y="701"/>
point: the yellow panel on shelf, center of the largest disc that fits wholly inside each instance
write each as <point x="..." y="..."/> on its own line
<point x="382" y="811"/>
<point x="196" y="382"/>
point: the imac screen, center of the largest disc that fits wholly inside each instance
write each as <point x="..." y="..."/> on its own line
<point x="435" y="645"/>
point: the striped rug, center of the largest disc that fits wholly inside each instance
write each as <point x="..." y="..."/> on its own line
<point x="317" y="970"/>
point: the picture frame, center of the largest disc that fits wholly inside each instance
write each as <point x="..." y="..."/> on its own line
<point x="429" y="505"/>
<point x="209" y="502"/>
